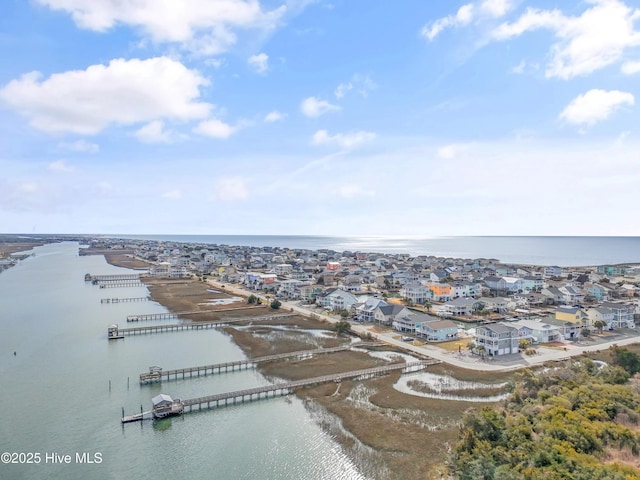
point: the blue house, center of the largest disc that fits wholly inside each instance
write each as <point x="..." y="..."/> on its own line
<point x="438" y="331"/>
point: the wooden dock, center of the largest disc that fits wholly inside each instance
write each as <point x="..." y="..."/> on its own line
<point x="112" y="278"/>
<point x="176" y="327"/>
<point x="156" y="374"/>
<point x="121" y="284"/>
<point x="144" y="317"/>
<point x="279" y="389"/>
<point x="125" y="300"/>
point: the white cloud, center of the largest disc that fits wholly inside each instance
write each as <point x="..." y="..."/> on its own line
<point x="314" y="107"/>
<point x="594" y="106"/>
<point x="362" y="84"/>
<point x="124" y="92"/>
<point x="631" y="68"/>
<point x="204" y="26"/>
<point x="172" y="195"/>
<point x="60" y="166"/>
<point x="519" y="69"/>
<point x="465" y="15"/>
<point x="154" y="132"/>
<point x="274" y="116"/>
<point x="346" y="141"/>
<point x="231" y="189"/>
<point x="259" y="62"/>
<point x="81" y="146"/>
<point x="451" y="151"/>
<point x="215" y="128"/>
<point x="585" y="43"/>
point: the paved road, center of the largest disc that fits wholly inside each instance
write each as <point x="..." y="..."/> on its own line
<point x="465" y="359"/>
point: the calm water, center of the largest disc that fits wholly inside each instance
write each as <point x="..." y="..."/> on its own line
<point x="561" y="251"/>
<point x="55" y="391"/>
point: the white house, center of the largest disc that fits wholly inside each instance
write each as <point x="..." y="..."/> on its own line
<point x="336" y="299"/>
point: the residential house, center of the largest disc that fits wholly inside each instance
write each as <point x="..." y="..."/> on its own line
<point x="568" y="330"/>
<point x="459" y="307"/>
<point x="513" y="284"/>
<point x="572" y="294"/>
<point x="496" y="284"/>
<point x="540" y="332"/>
<point x="365" y="312"/>
<point x="498" y="338"/>
<point x="495" y="304"/>
<point x="416" y="292"/>
<point x="553" y="294"/>
<point x="438" y="331"/>
<point x="531" y="283"/>
<point x="441" y="291"/>
<point x="597" y="291"/>
<point x="552" y="271"/>
<point x="573" y="315"/>
<point x="386" y="314"/>
<point x="465" y="289"/>
<point x="602" y="314"/>
<point x="622" y="314"/>
<point x="335" y="299"/>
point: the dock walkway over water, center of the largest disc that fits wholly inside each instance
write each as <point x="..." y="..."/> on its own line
<point x="115" y="332"/>
<point x="156" y="374"/>
<point x="279" y="389"/>
<point x="123" y="300"/>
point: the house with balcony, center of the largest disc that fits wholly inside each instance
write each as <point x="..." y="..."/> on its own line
<point x="495" y="284"/>
<point x="572" y="315"/>
<point x="622" y="314"/>
<point x="386" y="314"/>
<point x="498" y="339"/>
<point x="552" y="271"/>
<point x="602" y="314"/>
<point x="365" y="312"/>
<point x="437" y="330"/>
<point x="538" y="331"/>
<point x="336" y="299"/>
<point x="531" y="283"/>
<point x="495" y="304"/>
<point x="459" y="307"/>
<point x="416" y="292"/>
<point x="466" y="289"/>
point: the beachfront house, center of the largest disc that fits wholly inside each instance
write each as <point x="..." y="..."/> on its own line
<point x="498" y="338"/>
<point x="552" y="271"/>
<point x="532" y="283"/>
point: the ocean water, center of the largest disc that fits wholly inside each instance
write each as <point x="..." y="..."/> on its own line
<point x="561" y="251"/>
<point x="56" y="397"/>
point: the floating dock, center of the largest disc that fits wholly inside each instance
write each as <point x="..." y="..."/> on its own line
<point x="280" y="389"/>
<point x="157" y="374"/>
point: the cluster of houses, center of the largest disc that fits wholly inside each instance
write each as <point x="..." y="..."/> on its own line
<point x="422" y="296"/>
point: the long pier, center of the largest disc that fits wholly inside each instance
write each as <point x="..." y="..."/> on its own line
<point x="121" y="284"/>
<point x="115" y="332"/>
<point x="123" y="300"/>
<point x="279" y="389"/>
<point x="143" y="317"/>
<point x="156" y="374"/>
<point x="112" y="278"/>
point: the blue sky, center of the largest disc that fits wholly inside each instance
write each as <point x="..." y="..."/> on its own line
<point x="352" y="117"/>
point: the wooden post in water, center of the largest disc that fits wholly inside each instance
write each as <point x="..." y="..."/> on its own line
<point x="127" y="383"/>
<point x="109" y="385"/>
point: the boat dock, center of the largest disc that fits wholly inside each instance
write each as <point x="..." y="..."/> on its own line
<point x="116" y="332"/>
<point x="280" y="389"/>
<point x="123" y="300"/>
<point x="112" y="278"/>
<point x="156" y="374"/>
<point x="144" y="317"/>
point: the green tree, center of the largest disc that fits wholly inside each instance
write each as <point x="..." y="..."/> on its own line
<point x="600" y="324"/>
<point x="342" y="327"/>
<point x="275" y="304"/>
<point x="252" y="299"/>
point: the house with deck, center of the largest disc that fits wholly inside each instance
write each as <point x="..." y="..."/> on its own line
<point x="498" y="339"/>
<point x="437" y="330"/>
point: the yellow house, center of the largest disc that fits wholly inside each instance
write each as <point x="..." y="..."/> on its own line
<point x="572" y="315"/>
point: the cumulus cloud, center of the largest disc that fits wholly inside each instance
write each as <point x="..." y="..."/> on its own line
<point x="259" y="62"/>
<point x="215" y="128"/>
<point x="274" y="116"/>
<point x="594" y="106"/>
<point x="314" y="107"/>
<point x="80" y="146"/>
<point x="231" y="189"/>
<point x="154" y="132"/>
<point x="203" y="26"/>
<point x="346" y="141"/>
<point x="465" y="15"/>
<point x="585" y="43"/>
<point x="124" y="92"/>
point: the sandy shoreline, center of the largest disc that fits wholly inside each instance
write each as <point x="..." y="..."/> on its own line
<point x="384" y="431"/>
